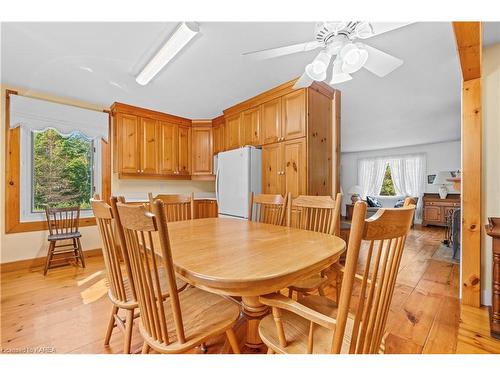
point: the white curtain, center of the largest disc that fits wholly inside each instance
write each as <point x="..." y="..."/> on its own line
<point x="397" y="173"/>
<point x="371" y="175"/>
<point x="36" y="114"/>
<point x="414" y="177"/>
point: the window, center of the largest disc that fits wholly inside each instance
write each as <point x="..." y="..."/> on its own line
<point x="62" y="170"/>
<point x="387" y="184"/>
<point x="58" y="170"/>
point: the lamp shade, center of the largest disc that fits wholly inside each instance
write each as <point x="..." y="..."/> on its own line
<point x="356" y="189"/>
<point x="441" y="178"/>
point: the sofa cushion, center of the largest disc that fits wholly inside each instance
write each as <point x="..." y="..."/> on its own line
<point x="373" y="202"/>
<point x="399" y="203"/>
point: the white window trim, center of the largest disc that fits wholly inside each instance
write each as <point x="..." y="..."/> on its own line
<point x="26" y="189"/>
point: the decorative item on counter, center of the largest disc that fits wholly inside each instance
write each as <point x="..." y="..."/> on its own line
<point x="355" y="192"/>
<point x="442" y="180"/>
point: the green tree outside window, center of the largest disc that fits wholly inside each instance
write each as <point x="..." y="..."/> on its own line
<point x="62" y="170"/>
<point x="387" y="185"/>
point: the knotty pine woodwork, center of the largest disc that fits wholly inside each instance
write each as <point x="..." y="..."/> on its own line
<point x="270" y="118"/>
<point x="184" y="150"/>
<point x="493" y="230"/>
<point x="202" y="148"/>
<point x="233" y="131"/>
<point x="149" y="146"/>
<point x="12" y="177"/>
<point x="168" y="148"/>
<point x="295" y="166"/>
<point x="272" y="169"/>
<point x="436" y="210"/>
<point x="250" y="123"/>
<point x="294" y="116"/>
<point x="218" y="126"/>
<point x="205" y="208"/>
<point x="468" y="36"/>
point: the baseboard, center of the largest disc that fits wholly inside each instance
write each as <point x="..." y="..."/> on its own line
<point x="29" y="264"/>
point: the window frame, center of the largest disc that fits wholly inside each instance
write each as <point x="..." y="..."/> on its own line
<point x="13" y="222"/>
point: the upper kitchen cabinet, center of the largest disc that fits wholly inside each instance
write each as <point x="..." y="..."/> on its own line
<point x="201" y="133"/>
<point x="232" y="131"/>
<point x="294" y="115"/>
<point x="270" y="115"/>
<point x="250" y="123"/>
<point x="218" y="134"/>
<point x="150" y="144"/>
<point x="127" y="134"/>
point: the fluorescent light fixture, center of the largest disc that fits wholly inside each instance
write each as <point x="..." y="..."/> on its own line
<point x="179" y="39"/>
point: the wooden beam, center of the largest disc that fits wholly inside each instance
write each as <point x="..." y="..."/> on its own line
<point x="469" y="44"/>
<point x="471" y="192"/>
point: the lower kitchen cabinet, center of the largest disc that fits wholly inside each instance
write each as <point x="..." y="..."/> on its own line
<point x="205" y="208"/>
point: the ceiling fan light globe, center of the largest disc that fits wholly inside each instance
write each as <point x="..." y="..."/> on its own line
<point x="353" y="59"/>
<point x="338" y="76"/>
<point x="315" y="72"/>
<point x="363" y="30"/>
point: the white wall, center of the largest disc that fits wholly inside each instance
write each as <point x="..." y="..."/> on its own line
<point x="491" y="157"/>
<point x="443" y="156"/>
<point x="29" y="245"/>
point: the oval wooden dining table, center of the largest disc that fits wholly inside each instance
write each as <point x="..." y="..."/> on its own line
<point x="248" y="259"/>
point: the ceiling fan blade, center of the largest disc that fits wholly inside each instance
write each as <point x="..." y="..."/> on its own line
<point x="303" y="81"/>
<point x="383" y="27"/>
<point x="379" y="62"/>
<point x="282" y="51"/>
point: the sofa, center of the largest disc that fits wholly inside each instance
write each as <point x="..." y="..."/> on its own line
<point x="387" y="201"/>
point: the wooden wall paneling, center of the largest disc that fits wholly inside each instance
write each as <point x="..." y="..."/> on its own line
<point x="128" y="132"/>
<point x="471" y="192"/>
<point x="184" y="150"/>
<point x="270" y="121"/>
<point x="168" y="142"/>
<point x="250" y="123"/>
<point x="272" y="169"/>
<point x="149" y="146"/>
<point x="319" y="144"/>
<point x="202" y="148"/>
<point x="294" y="106"/>
<point x="468" y="36"/>
<point x="295" y="167"/>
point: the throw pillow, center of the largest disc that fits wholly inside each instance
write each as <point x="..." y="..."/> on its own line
<point x="373" y="202"/>
<point x="399" y="203"/>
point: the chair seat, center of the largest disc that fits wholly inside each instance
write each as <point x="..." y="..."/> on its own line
<point x="63" y="236"/>
<point x="131" y="302"/>
<point x="310" y="284"/>
<point x="204" y="315"/>
<point x="297" y="329"/>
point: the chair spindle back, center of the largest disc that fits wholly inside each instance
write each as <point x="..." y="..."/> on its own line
<point x="62" y="220"/>
<point x="177" y="206"/>
<point x="267" y="208"/>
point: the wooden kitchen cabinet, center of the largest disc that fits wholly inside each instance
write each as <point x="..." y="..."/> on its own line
<point x="250" y="123"/>
<point x="201" y="133"/>
<point x="184" y="150"/>
<point x="233" y="125"/>
<point x="128" y="130"/>
<point x="168" y="136"/>
<point x="205" y="208"/>
<point x="149" y="146"/>
<point x="270" y="121"/>
<point x="218" y="134"/>
<point x="294" y="115"/>
<point x="272" y="168"/>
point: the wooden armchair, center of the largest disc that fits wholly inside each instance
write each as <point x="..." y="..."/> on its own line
<point x="267" y="208"/>
<point x="186" y="319"/>
<point x="177" y="206"/>
<point x="319" y="214"/>
<point x="315" y="324"/>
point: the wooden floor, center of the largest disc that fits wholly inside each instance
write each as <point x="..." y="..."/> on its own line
<point x="67" y="311"/>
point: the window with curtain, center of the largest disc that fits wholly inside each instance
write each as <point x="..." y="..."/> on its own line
<point x="59" y="155"/>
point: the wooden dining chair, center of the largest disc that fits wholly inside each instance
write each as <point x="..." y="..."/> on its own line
<point x="177" y="206"/>
<point x="319" y="214"/>
<point x="316" y="324"/>
<point x="63" y="226"/>
<point x="267" y="208"/>
<point x="186" y="319"/>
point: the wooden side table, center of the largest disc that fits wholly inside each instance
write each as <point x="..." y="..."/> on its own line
<point x="349" y="208"/>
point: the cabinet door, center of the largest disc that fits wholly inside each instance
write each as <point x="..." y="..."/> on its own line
<point x="250" y="123"/>
<point x="294" y="114"/>
<point x="432" y="213"/>
<point x="128" y="143"/>
<point x="272" y="169"/>
<point x="233" y="125"/>
<point x="184" y="150"/>
<point x="294" y="159"/>
<point x="270" y="121"/>
<point x="201" y="150"/>
<point x="149" y="146"/>
<point x="168" y="135"/>
<point x="216" y="139"/>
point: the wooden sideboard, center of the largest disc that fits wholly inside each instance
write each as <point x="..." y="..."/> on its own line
<point x="436" y="210"/>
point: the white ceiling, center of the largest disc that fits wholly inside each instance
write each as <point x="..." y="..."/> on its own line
<point x="97" y="63"/>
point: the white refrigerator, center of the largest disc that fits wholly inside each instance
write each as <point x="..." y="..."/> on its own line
<point x="238" y="172"/>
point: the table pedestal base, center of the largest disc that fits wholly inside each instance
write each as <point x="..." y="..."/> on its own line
<point x="253" y="311"/>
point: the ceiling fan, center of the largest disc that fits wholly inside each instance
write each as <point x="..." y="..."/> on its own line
<point x="339" y="39"/>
